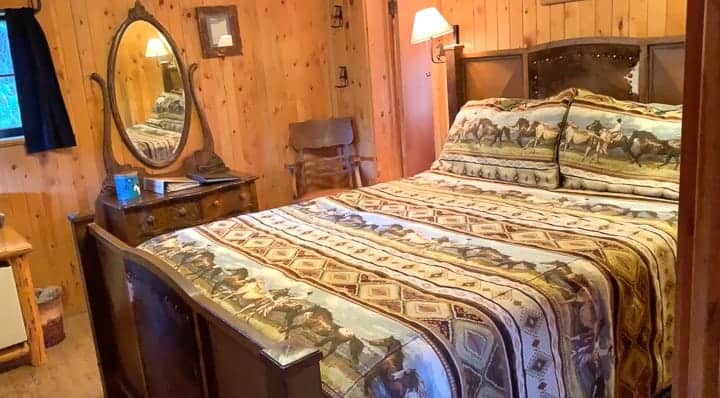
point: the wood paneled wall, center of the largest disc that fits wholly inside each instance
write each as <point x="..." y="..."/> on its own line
<point x="502" y="24"/>
<point x="287" y="73"/>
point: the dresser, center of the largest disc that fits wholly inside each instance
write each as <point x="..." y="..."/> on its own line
<point x="153" y="214"/>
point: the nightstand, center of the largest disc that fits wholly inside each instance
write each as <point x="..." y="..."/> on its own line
<point x="21" y="327"/>
<point x="152" y="214"/>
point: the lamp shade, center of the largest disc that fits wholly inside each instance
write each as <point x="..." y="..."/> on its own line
<point x="429" y="24"/>
<point x="155" y="48"/>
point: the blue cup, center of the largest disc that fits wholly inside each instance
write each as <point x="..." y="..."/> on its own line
<point x="127" y="186"/>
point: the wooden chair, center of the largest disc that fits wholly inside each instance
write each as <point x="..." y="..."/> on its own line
<point x="326" y="162"/>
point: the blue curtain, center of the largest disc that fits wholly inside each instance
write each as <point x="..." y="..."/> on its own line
<point x="45" y="120"/>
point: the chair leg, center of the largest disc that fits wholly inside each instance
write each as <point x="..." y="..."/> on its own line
<point x="358" y="179"/>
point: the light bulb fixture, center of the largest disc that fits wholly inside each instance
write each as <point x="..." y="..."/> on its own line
<point x="155" y="48"/>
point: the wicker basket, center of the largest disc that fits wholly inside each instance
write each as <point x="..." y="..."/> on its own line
<point x="50" y="305"/>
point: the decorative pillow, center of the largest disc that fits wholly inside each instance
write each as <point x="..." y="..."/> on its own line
<point x="168" y="112"/>
<point x="513" y="140"/>
<point x="621" y="146"/>
<point x="169" y="106"/>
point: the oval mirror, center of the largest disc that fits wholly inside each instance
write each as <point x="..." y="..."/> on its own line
<point x="149" y="91"/>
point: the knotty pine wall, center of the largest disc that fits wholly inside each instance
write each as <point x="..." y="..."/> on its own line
<point x="287" y="73"/>
<point x="503" y="24"/>
<point x="487" y="25"/>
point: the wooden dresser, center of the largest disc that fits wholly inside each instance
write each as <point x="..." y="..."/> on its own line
<point x="152" y="214"/>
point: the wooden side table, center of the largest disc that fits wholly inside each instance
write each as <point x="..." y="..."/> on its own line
<point x="14" y="249"/>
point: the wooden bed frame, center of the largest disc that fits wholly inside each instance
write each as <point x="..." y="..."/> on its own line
<point x="605" y="65"/>
<point x="157" y="335"/>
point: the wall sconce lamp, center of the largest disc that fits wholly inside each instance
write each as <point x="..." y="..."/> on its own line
<point x="338" y="19"/>
<point x="155" y="48"/>
<point x="343" y="79"/>
<point x="429" y="24"/>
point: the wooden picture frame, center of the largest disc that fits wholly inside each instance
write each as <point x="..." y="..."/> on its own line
<point x="219" y="31"/>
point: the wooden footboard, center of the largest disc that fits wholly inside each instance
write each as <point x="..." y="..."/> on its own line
<point x="158" y="336"/>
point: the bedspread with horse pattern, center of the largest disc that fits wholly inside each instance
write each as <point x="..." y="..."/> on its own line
<point x="442" y="286"/>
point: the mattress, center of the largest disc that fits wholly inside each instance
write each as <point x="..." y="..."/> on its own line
<point x="441" y="286"/>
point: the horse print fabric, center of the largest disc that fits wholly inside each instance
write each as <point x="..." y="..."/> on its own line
<point x="444" y="286"/>
<point x="621" y="146"/>
<point x="504" y="139"/>
<point x="159" y="136"/>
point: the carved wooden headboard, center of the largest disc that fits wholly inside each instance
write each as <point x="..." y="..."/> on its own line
<point x="646" y="70"/>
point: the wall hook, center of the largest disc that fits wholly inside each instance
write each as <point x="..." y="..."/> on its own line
<point x="37" y="7"/>
<point x="342" y="77"/>
<point x="338" y="19"/>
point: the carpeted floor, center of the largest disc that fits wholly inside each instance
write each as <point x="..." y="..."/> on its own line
<point x="70" y="371"/>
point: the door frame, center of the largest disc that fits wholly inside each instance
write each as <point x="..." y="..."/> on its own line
<point x="697" y="313"/>
<point x="396" y="66"/>
<point x="435" y="69"/>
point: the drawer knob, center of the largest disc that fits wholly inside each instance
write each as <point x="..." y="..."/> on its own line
<point x="216" y="203"/>
<point x="243" y="195"/>
<point x="150" y="219"/>
<point x="182" y="212"/>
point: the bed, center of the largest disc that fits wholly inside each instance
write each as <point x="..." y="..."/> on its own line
<point x="153" y="141"/>
<point x="469" y="280"/>
<point x="159" y="136"/>
<point x="447" y="286"/>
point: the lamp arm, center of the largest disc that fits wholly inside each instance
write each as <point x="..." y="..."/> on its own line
<point x="440" y="57"/>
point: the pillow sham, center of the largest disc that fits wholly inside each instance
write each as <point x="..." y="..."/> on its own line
<point x="621" y="146"/>
<point x="506" y="139"/>
<point x="170" y="106"/>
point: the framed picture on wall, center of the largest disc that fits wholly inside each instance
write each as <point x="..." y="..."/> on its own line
<point x="219" y="31"/>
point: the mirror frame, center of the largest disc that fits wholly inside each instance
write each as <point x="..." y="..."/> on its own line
<point x="135" y="14"/>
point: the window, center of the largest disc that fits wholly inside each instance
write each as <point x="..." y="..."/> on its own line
<point x="10" y="122"/>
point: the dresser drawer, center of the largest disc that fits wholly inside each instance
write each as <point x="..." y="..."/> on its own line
<point x="151" y="215"/>
<point x="152" y="221"/>
<point x="228" y="203"/>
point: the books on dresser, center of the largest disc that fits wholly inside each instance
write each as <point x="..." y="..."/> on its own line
<point x="210" y="178"/>
<point x="163" y="185"/>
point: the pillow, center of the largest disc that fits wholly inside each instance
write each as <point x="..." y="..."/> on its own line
<point x="170" y="106"/>
<point x="512" y="140"/>
<point x="621" y="146"/>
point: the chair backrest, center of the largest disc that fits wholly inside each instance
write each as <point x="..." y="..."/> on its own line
<point x="325" y="157"/>
<point x="318" y="134"/>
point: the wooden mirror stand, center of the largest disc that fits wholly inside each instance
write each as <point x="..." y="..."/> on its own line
<point x="204" y="160"/>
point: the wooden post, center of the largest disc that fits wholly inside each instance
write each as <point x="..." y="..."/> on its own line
<point x="697" y="323"/>
<point x="28" y="305"/>
<point x="455" y="79"/>
<point x="14" y="249"/>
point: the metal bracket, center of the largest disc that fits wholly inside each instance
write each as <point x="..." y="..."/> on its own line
<point x="343" y="77"/>
<point x="338" y="19"/>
